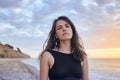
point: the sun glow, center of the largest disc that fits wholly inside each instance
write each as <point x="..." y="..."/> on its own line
<point x="104" y="53"/>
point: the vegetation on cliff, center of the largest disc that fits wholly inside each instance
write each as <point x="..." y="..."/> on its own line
<point x="8" y="51"/>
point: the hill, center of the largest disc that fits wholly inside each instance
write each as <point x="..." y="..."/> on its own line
<point x="8" y="51"/>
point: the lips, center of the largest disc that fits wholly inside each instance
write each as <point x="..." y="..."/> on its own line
<point x="65" y="33"/>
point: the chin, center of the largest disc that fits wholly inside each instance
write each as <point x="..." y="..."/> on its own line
<point x="66" y="38"/>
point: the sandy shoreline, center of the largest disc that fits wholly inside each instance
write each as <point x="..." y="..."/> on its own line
<point x="9" y="59"/>
<point x="14" y="69"/>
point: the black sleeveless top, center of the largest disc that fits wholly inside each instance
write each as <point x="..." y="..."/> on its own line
<point x="65" y="67"/>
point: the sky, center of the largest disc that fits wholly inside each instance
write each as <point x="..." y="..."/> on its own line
<point x="25" y="24"/>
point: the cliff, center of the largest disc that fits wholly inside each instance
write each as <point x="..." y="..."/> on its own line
<point x="7" y="51"/>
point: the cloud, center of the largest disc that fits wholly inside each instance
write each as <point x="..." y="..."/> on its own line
<point x="104" y="2"/>
<point x="29" y="20"/>
<point x="8" y="29"/>
<point x="15" y="3"/>
<point x="28" y="32"/>
<point x="5" y="28"/>
<point x="10" y="3"/>
<point x="104" y="38"/>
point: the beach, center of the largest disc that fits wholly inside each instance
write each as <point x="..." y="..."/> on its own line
<point x="28" y="69"/>
<point x="15" y="69"/>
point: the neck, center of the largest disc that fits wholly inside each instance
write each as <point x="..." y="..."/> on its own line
<point x="65" y="46"/>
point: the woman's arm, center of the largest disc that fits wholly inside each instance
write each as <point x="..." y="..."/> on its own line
<point x="44" y="66"/>
<point x="85" y="69"/>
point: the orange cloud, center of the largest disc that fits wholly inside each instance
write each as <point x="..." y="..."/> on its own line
<point x="108" y="37"/>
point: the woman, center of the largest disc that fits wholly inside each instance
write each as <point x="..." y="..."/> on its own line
<point x="64" y="57"/>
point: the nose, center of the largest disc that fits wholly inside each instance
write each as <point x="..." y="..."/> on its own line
<point x="64" y="28"/>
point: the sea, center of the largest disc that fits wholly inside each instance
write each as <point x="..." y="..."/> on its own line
<point x="104" y="69"/>
<point x="99" y="69"/>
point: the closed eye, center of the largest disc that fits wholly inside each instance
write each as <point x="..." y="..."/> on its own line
<point x="67" y="25"/>
<point x="59" y="27"/>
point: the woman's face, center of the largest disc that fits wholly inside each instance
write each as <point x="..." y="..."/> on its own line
<point x="63" y="30"/>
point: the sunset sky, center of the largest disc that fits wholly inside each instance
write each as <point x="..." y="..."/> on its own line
<point x="26" y="23"/>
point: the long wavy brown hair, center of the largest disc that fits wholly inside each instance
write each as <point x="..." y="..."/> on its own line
<point x="76" y="42"/>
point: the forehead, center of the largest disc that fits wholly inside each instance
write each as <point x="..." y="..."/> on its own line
<point x="61" y="22"/>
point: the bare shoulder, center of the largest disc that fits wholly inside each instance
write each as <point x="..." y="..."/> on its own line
<point x="44" y="65"/>
<point x="47" y="59"/>
<point x="46" y="56"/>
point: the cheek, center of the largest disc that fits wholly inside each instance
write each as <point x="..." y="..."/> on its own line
<point x="58" y="34"/>
<point x="71" y="31"/>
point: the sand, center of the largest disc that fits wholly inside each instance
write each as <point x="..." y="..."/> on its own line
<point x="14" y="69"/>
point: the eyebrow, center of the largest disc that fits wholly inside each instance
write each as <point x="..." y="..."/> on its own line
<point x="61" y="25"/>
<point x="67" y="24"/>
